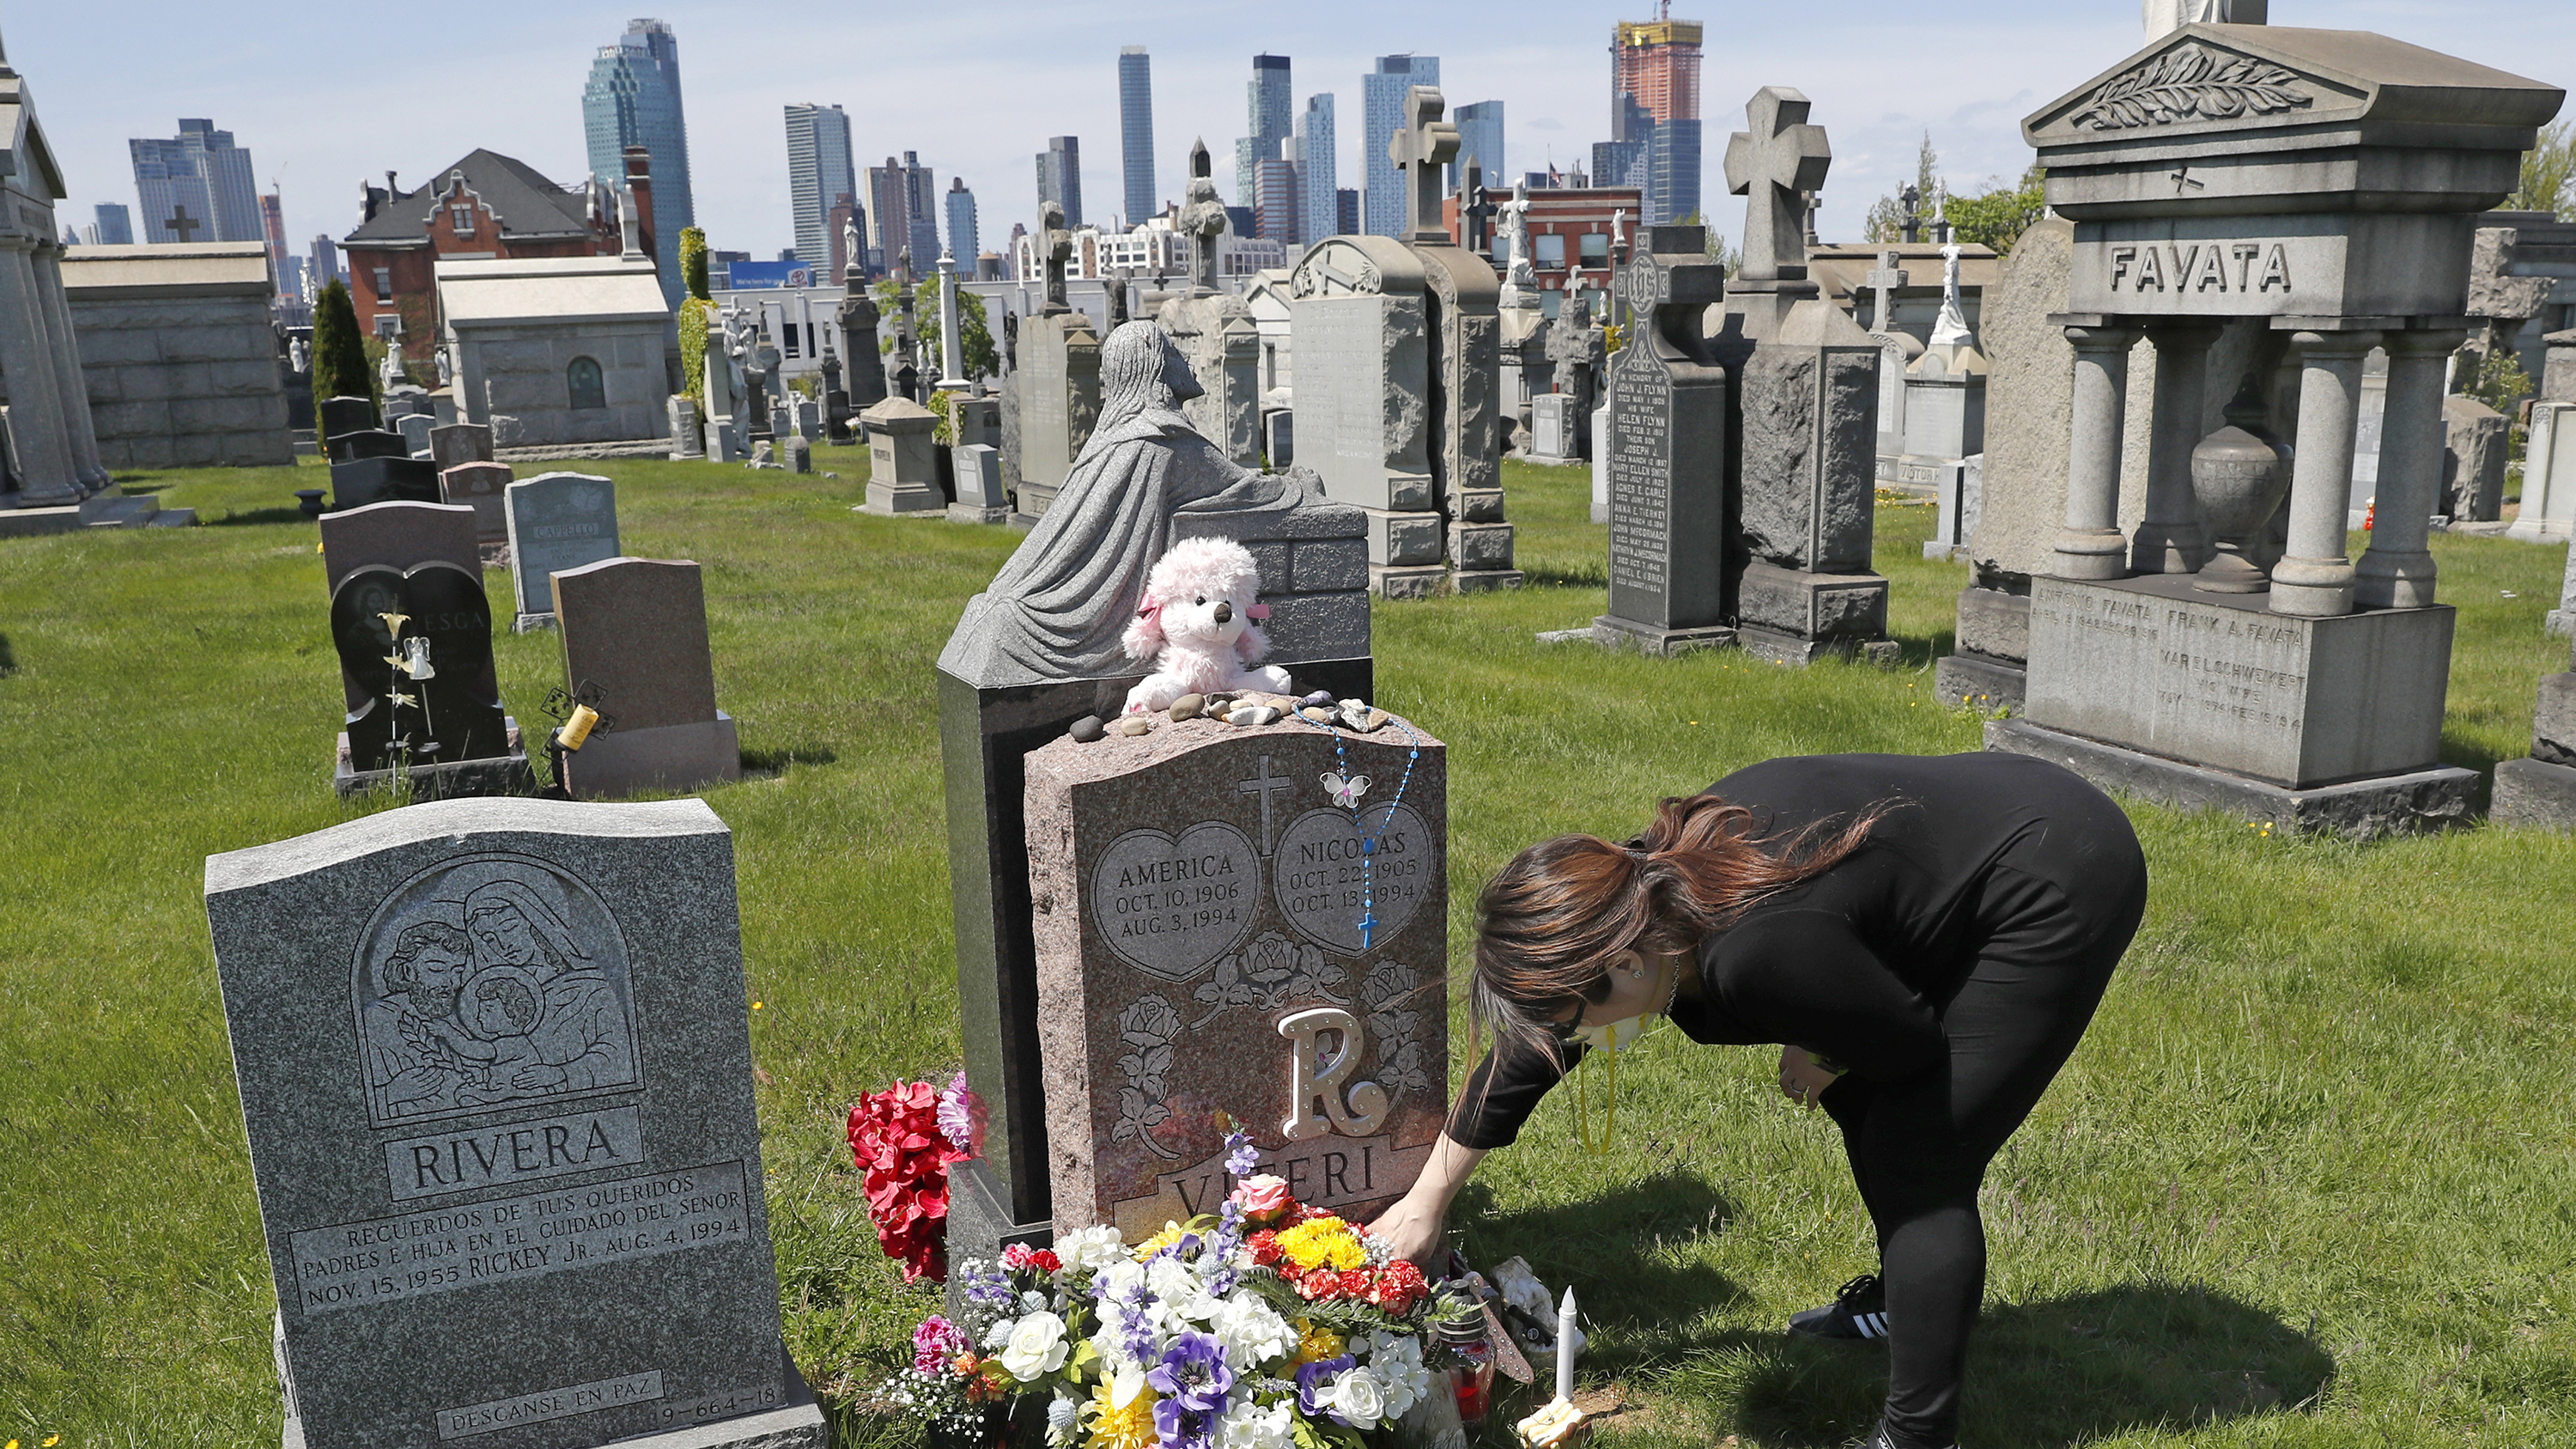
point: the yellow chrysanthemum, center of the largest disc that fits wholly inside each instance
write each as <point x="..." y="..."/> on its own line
<point x="1323" y="1243"/>
<point x="1314" y="1344"/>
<point x="1170" y="1234"/>
<point x="1114" y="1428"/>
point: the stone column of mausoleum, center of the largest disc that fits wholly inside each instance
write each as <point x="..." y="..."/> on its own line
<point x="2397" y="571"/>
<point x="70" y="384"/>
<point x="2091" y="546"/>
<point x="2314" y="578"/>
<point x="48" y="474"/>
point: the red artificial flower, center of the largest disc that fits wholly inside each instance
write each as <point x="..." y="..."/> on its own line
<point x="903" y="1164"/>
<point x="1397" y="1287"/>
<point x="1265" y="1252"/>
<point x="1045" y="1261"/>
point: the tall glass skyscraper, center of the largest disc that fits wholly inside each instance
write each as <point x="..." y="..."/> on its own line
<point x="1136" y="131"/>
<point x="1267" y="112"/>
<point x="1318" y="209"/>
<point x="202" y="170"/>
<point x="1480" y="139"/>
<point x="115" y="224"/>
<point x="633" y="99"/>
<point x="963" y="242"/>
<point x="1060" y="177"/>
<point x="1383" y="91"/>
<point x="819" y="177"/>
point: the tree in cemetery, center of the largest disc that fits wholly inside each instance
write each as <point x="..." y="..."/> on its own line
<point x="697" y="309"/>
<point x="339" y="353"/>
<point x="2549" y="172"/>
<point x="975" y="350"/>
<point x="1886" y="219"/>
<point x="1998" y="215"/>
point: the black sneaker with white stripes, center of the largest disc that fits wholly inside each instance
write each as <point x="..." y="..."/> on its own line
<point x="1880" y="1438"/>
<point x="1859" y="1311"/>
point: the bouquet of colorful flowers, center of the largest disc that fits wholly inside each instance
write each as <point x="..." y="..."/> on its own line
<point x="1269" y="1326"/>
<point x="903" y="1140"/>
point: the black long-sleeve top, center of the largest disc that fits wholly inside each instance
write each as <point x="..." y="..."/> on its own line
<point x="1856" y="963"/>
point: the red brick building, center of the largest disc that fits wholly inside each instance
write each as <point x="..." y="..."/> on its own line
<point x="485" y="207"/>
<point x="1570" y="228"/>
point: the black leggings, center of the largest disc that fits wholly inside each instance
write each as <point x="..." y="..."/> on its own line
<point x="1919" y="1148"/>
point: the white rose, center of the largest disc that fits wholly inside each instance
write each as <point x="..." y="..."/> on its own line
<point x="1036" y="1348"/>
<point x="1358" y="1398"/>
<point x="1249" y="1426"/>
<point x="1252" y="1334"/>
<point x="1094" y="1248"/>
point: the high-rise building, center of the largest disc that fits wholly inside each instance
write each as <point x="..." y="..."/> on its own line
<point x="903" y="212"/>
<point x="964" y="241"/>
<point x="1384" y="90"/>
<point x="1480" y="139"/>
<point x="1655" y="65"/>
<point x="633" y="99"/>
<point x="202" y="170"/>
<point x="322" y="263"/>
<point x="1346" y="211"/>
<point x="272" y="221"/>
<point x="818" y="176"/>
<point x="1060" y="177"/>
<point x="115" y="224"/>
<point x="1274" y="204"/>
<point x="1267" y="116"/>
<point x="1312" y="149"/>
<point x="1136" y="131"/>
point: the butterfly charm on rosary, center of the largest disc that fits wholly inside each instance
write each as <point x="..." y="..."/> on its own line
<point x="1345" y="792"/>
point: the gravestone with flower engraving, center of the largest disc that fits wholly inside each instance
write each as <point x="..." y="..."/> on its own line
<point x="1239" y="922"/>
<point x="496" y="1079"/>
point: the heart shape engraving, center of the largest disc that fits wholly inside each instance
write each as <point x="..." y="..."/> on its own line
<point x="1170" y="906"/>
<point x="454" y="714"/>
<point x="1317" y="874"/>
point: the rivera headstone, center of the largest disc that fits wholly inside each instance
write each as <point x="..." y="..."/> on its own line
<point x="496" y="1079"/>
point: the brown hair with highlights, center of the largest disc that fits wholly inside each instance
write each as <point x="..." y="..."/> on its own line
<point x="1550" y="922"/>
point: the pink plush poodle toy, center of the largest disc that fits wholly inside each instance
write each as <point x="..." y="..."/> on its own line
<point x="1197" y="626"/>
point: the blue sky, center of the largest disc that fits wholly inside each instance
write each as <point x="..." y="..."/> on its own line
<point x="324" y="98"/>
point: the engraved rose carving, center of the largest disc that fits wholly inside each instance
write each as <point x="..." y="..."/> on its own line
<point x="2191" y="82"/>
<point x="1148" y="1028"/>
<point x="1400" y="1064"/>
<point x="1270" y="973"/>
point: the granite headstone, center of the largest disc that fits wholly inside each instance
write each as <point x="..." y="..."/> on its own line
<point x="557" y="521"/>
<point x="496" y="1081"/>
<point x="482" y="487"/>
<point x="1201" y="951"/>
<point x="635" y="649"/>
<point x="1666" y="451"/>
<point x="458" y="443"/>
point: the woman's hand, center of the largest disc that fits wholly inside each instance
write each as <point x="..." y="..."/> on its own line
<point x="1801" y="1079"/>
<point x="1412" y="1229"/>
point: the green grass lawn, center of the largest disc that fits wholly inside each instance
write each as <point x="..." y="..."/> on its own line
<point x="2308" y="1182"/>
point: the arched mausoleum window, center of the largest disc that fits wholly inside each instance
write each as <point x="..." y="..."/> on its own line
<point x="582" y="378"/>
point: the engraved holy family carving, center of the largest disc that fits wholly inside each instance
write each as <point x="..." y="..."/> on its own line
<point x="491" y="979"/>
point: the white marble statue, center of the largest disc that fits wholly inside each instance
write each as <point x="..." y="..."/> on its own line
<point x="2164" y="17"/>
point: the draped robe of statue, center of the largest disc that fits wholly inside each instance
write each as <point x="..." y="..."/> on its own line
<point x="1058" y="608"/>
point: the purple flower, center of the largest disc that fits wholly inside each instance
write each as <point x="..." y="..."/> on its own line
<point x="1192" y="1374"/>
<point x="1315" y="1385"/>
<point x="957" y="1114"/>
<point x="1227" y="1242"/>
<point x="984" y="1285"/>
<point x="1240" y="1156"/>
<point x="1181" y="1428"/>
<point x="1134" y="1327"/>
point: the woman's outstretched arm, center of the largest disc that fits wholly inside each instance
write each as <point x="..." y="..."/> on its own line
<point x="1412" y="1226"/>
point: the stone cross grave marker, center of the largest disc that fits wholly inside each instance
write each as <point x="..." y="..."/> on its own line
<point x="185" y="225"/>
<point x="496" y="1080"/>
<point x="635" y="649"/>
<point x="1055" y="246"/>
<point x="1420" y="148"/>
<point x="1202" y="951"/>
<point x="1883" y="280"/>
<point x="1669" y="523"/>
<point x="1772" y="164"/>
<point x="557" y="521"/>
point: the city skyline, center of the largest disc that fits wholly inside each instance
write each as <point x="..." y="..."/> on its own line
<point x="632" y="97"/>
<point x="1043" y="71"/>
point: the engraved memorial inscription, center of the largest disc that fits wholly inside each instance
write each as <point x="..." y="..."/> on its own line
<point x="1317" y="874"/>
<point x="1170" y="906"/>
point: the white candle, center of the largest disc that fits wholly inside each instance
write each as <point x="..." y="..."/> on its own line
<point x="1565" y="1346"/>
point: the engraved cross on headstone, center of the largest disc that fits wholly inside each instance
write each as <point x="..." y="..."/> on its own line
<point x="1771" y="165"/>
<point x="1423" y="145"/>
<point x="182" y="223"/>
<point x="1264" y="784"/>
<point x="1884" y="282"/>
<point x="1055" y="247"/>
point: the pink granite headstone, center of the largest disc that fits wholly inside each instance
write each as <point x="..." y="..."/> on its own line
<point x="1197" y="897"/>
